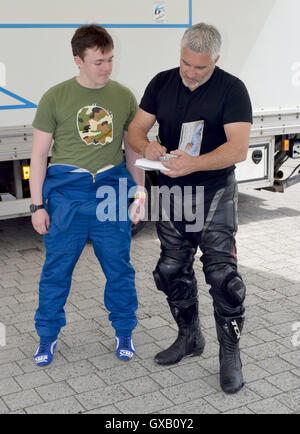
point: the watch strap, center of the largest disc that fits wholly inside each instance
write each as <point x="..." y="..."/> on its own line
<point x="34" y="208"/>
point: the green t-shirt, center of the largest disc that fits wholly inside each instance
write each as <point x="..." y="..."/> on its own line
<point x="87" y="124"/>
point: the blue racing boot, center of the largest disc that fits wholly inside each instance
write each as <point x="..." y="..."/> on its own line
<point x="44" y="354"/>
<point x="125" y="348"/>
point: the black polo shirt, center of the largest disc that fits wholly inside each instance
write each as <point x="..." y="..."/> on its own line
<point x="223" y="99"/>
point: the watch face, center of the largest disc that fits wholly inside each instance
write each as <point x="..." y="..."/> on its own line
<point x="34" y="208"/>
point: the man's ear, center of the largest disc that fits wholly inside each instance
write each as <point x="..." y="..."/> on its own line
<point x="78" y="61"/>
<point x="216" y="60"/>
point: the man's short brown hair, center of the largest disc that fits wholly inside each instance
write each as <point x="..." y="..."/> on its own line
<point x="91" y="36"/>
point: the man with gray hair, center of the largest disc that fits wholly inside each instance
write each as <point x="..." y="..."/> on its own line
<point x="199" y="106"/>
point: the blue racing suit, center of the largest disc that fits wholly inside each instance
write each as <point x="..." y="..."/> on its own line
<point x="72" y="197"/>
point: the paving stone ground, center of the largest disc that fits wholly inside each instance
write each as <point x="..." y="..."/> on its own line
<point x="85" y="375"/>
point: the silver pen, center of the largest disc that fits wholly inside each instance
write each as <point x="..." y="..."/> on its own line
<point x="167" y="156"/>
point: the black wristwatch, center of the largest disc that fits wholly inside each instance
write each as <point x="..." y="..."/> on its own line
<point x="34" y="208"/>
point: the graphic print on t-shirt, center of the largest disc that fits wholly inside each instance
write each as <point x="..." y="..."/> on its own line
<point x="95" y="125"/>
<point x="191" y="137"/>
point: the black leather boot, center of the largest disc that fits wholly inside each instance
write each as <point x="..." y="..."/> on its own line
<point x="190" y="341"/>
<point x="229" y="332"/>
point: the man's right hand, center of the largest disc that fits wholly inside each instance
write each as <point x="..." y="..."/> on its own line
<point x="154" y="150"/>
<point x="40" y="221"/>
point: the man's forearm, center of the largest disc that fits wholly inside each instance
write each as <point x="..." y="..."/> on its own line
<point x="38" y="168"/>
<point x="137" y="174"/>
<point x="137" y="139"/>
<point x="233" y="151"/>
<point x="131" y="157"/>
<point x="38" y="165"/>
<point x="224" y="156"/>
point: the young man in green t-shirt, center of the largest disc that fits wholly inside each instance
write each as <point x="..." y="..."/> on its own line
<point x="87" y="118"/>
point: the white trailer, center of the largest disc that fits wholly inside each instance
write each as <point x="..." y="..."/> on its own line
<point x="260" y="45"/>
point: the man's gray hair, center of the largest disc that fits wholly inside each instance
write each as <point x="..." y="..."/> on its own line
<point x="203" y="38"/>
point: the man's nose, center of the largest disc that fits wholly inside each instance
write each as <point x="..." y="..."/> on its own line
<point x="190" y="71"/>
<point x="107" y="66"/>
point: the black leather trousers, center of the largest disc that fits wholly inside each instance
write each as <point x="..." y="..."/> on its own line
<point x="174" y="274"/>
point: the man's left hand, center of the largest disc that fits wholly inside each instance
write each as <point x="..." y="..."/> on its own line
<point x="183" y="165"/>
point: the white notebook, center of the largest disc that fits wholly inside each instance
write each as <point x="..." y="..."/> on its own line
<point x="145" y="164"/>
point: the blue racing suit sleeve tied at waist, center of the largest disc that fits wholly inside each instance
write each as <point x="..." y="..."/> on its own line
<point x="106" y="195"/>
